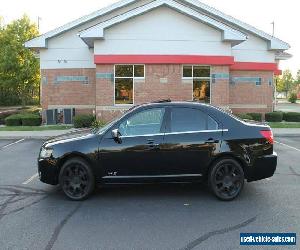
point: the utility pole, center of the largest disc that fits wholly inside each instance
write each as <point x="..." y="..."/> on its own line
<point x="273" y="28"/>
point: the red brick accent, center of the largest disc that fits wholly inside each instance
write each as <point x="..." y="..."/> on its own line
<point x="164" y="59"/>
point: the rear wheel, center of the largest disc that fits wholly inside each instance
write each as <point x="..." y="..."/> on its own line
<point x="77" y="179"/>
<point x="226" y="179"/>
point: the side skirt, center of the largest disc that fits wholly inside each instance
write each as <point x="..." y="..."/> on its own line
<point x="152" y="179"/>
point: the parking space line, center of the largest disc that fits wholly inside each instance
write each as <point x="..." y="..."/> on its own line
<point x="30" y="179"/>
<point x="283" y="144"/>
<point x="10" y="144"/>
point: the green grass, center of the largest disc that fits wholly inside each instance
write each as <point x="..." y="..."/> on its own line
<point x="284" y="124"/>
<point x="35" y="128"/>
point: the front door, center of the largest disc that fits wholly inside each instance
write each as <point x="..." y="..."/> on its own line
<point x="190" y="141"/>
<point x="137" y="154"/>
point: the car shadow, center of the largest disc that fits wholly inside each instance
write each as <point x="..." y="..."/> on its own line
<point x="167" y="192"/>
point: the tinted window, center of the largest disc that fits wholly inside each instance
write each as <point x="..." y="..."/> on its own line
<point x="188" y="119"/>
<point x="201" y="90"/>
<point x="124" y="91"/>
<point x="139" y="71"/>
<point x="211" y="123"/>
<point x="201" y="71"/>
<point x="124" y="70"/>
<point x="143" y="123"/>
<point x="187" y="71"/>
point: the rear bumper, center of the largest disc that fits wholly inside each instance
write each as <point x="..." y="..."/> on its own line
<point x="264" y="167"/>
<point x="48" y="171"/>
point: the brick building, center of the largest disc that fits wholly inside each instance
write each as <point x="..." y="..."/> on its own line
<point x="136" y="51"/>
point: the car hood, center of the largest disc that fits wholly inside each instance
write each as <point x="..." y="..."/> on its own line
<point x="68" y="137"/>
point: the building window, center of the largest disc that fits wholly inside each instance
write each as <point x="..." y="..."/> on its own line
<point x="201" y="81"/>
<point x="124" y="82"/>
<point x="258" y="81"/>
<point x="270" y="81"/>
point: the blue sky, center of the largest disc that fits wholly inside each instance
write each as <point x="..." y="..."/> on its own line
<point x="258" y="13"/>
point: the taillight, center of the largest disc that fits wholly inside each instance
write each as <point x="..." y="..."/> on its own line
<point x="268" y="134"/>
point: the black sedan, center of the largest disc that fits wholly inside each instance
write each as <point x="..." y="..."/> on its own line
<point x="162" y="142"/>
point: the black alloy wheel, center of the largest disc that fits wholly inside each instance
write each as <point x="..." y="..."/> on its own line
<point x="226" y="179"/>
<point x="76" y="179"/>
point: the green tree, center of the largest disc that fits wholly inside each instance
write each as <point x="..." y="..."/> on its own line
<point x="286" y="82"/>
<point x="19" y="67"/>
<point x="297" y="80"/>
<point x="279" y="84"/>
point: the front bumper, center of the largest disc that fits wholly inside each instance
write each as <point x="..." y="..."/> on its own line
<point x="48" y="171"/>
<point x="263" y="167"/>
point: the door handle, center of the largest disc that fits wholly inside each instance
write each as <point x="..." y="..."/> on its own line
<point x="211" y="140"/>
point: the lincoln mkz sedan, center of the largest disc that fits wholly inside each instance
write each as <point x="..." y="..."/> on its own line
<point x="164" y="141"/>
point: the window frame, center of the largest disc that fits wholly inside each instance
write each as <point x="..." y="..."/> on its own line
<point x="198" y="78"/>
<point x="127" y="77"/>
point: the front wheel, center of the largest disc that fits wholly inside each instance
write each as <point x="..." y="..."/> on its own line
<point x="76" y="179"/>
<point x="226" y="179"/>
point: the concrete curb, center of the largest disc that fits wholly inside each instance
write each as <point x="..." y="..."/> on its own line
<point x="46" y="134"/>
<point x="25" y="137"/>
<point x="287" y="135"/>
<point x="286" y="131"/>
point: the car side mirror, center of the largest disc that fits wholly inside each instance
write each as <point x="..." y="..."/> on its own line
<point x="116" y="135"/>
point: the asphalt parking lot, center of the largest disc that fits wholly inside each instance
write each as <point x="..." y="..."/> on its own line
<point x="34" y="215"/>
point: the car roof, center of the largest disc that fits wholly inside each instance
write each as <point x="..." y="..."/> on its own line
<point x="162" y="103"/>
<point x="173" y="103"/>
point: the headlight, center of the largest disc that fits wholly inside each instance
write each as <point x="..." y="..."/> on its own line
<point x="46" y="152"/>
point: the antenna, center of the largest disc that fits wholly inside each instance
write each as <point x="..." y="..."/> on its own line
<point x="273" y="28"/>
<point x="38" y="22"/>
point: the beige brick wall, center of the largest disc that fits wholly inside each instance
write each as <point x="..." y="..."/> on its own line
<point x="104" y="87"/>
<point x="161" y="82"/>
<point x="247" y="97"/>
<point x="67" y="93"/>
<point x="220" y="88"/>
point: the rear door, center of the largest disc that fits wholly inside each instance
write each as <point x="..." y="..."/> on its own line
<point x="191" y="139"/>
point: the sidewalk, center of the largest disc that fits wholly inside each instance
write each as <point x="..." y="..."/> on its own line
<point x="286" y="131"/>
<point x="50" y="133"/>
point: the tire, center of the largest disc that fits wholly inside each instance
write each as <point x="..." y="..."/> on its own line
<point x="226" y="179"/>
<point x="77" y="179"/>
